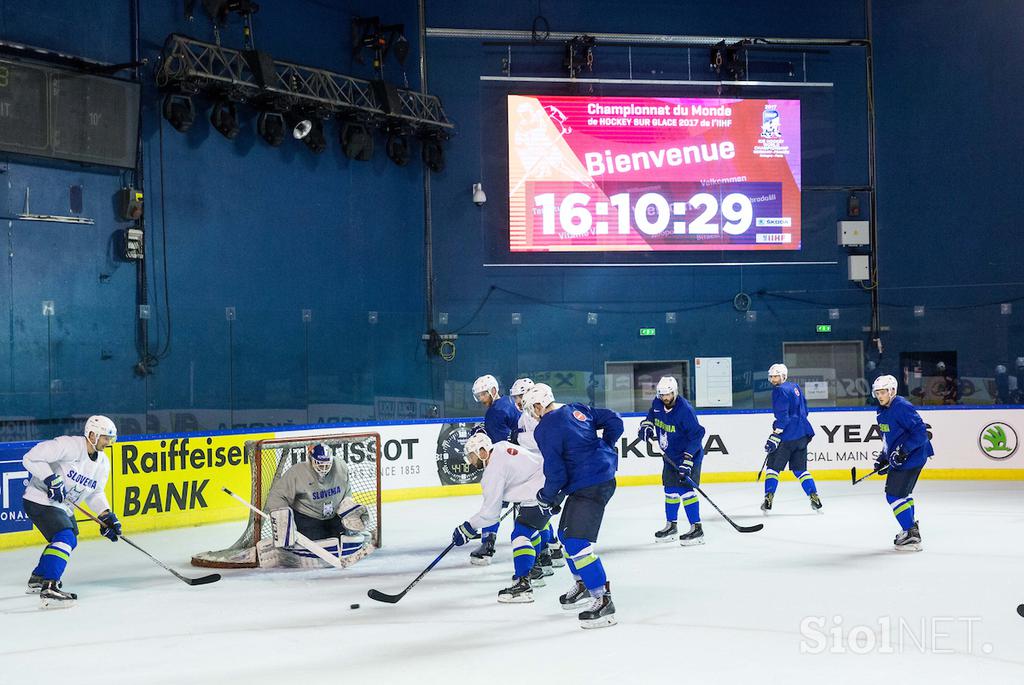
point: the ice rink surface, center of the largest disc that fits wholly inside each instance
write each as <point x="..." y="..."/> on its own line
<point x="811" y="598"/>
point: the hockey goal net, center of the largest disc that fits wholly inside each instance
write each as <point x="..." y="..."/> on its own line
<point x="271" y="458"/>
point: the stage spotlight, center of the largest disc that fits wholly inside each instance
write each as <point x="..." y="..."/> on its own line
<point x="400" y="48"/>
<point x="271" y="127"/>
<point x="433" y="154"/>
<point x="356" y="141"/>
<point x="398" y="148"/>
<point x="179" y="111"/>
<point x="300" y="124"/>
<point x="315" y="139"/>
<point x="224" y="118"/>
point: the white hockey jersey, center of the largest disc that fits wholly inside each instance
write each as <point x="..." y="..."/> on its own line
<point x="525" y="436"/>
<point x="84" y="477"/>
<point x="513" y="474"/>
<point x="303" y="490"/>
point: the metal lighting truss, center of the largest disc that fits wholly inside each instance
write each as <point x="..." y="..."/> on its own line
<point x="190" y="66"/>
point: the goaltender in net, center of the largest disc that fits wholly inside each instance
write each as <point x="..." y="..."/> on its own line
<point x="314" y="498"/>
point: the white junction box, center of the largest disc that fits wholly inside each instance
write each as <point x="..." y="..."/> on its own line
<point x="854" y="233"/>
<point x="860" y="269"/>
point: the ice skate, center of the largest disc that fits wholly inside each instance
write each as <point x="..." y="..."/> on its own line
<point x="766" y="505"/>
<point x="695" y="536"/>
<point x="481" y="556"/>
<point x="545" y="563"/>
<point x="520" y="592"/>
<point x="908" y="540"/>
<point x="53" y="597"/>
<point x="600" y="613"/>
<point x="670" y="533"/>
<point x="576" y="594"/>
<point x="536" y="576"/>
<point x="815" y="502"/>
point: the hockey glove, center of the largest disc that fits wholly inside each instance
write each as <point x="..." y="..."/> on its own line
<point x="463" y="534"/>
<point x="898" y="456"/>
<point x="55" y="487"/>
<point x="547" y="508"/>
<point x="772" y="443"/>
<point x="647" y="430"/>
<point x="882" y="464"/>
<point x="686" y="466"/>
<point x="111" y="528"/>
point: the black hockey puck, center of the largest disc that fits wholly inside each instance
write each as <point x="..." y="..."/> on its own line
<point x="1020" y="609"/>
<point x="353" y="606"/>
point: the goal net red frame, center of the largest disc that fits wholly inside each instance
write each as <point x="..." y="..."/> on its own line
<point x="270" y="458"/>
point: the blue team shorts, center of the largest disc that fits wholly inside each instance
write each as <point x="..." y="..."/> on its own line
<point x="901" y="483"/>
<point x="49" y="520"/>
<point x="532" y="517"/>
<point x="670" y="474"/>
<point x="584" y="510"/>
<point x="318" y="529"/>
<point x="792" y="453"/>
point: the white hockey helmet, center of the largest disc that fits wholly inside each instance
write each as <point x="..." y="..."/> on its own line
<point x="539" y="394"/>
<point x="667" y="386"/>
<point x="321" y="459"/>
<point x="520" y="387"/>
<point x="100" y="426"/>
<point x="886" y="382"/>
<point x="1000" y="369"/>
<point x="778" y="370"/>
<point x="475" y="443"/>
<point x="488" y="384"/>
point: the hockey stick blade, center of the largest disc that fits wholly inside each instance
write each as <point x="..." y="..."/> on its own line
<point x="1020" y="610"/>
<point x="204" y="580"/>
<point x="853" y="475"/>
<point x="383" y="597"/>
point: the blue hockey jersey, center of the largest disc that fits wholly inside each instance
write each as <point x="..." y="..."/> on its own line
<point x="678" y="429"/>
<point x="501" y="422"/>
<point x="900" y="424"/>
<point x="790" y="409"/>
<point x="575" y="457"/>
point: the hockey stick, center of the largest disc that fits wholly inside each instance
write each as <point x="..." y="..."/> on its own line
<point x="853" y="475"/>
<point x="204" y="580"/>
<point x="393" y="599"/>
<point x="299" y="537"/>
<point x="763" y="464"/>
<point x="741" y="529"/>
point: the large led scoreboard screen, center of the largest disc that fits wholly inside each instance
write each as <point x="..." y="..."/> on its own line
<point x="625" y="174"/>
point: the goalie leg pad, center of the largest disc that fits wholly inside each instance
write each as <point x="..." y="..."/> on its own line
<point x="282" y="523"/>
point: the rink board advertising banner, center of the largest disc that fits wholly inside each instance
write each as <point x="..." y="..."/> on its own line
<point x="626" y="174"/>
<point x="174" y="482"/>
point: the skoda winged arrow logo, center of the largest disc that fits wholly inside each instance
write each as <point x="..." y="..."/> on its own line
<point x="998" y="440"/>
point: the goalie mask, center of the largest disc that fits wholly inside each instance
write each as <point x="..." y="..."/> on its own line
<point x="321" y="460"/>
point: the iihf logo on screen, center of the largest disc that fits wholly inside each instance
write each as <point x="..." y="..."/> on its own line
<point x="771" y="122"/>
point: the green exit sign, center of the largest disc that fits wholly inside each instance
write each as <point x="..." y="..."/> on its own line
<point x="824" y="328"/>
<point x="645" y="332"/>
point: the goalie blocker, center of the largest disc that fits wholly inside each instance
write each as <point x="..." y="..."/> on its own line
<point x="326" y="488"/>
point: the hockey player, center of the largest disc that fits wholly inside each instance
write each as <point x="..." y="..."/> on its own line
<point x="905" y="450"/>
<point x="579" y="466"/>
<point x="791" y="433"/>
<point x="315" y="499"/>
<point x="63" y="472"/>
<point x="524" y="437"/>
<point x="672" y="421"/>
<point x="501" y="422"/>
<point x="512" y="473"/>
